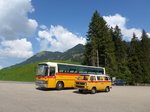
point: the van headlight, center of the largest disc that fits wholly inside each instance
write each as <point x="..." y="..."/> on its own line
<point x="81" y="83"/>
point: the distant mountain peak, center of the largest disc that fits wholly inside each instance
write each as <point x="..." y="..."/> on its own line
<point x="76" y="48"/>
<point x="74" y="54"/>
<point x="41" y="54"/>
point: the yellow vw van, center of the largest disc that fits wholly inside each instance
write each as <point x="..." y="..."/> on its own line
<point x="93" y="83"/>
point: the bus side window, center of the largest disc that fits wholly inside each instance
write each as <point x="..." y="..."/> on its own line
<point x="52" y="71"/>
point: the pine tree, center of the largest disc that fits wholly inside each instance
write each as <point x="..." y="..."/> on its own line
<point x="87" y="54"/>
<point x="121" y="48"/>
<point x="134" y="61"/>
<point x="102" y="47"/>
<point x="145" y="56"/>
<point x="94" y="37"/>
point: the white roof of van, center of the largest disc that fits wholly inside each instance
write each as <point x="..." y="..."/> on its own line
<point x="96" y="75"/>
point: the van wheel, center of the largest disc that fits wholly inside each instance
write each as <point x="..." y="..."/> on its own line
<point x="107" y="89"/>
<point x="80" y="90"/>
<point x="93" y="91"/>
<point x="59" y="85"/>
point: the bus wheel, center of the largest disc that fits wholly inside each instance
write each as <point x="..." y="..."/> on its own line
<point x="107" y="89"/>
<point x="59" y="85"/>
<point x="93" y="91"/>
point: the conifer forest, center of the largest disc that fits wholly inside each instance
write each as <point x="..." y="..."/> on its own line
<point x="127" y="60"/>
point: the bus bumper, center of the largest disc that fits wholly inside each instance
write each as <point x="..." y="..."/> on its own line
<point x="41" y="83"/>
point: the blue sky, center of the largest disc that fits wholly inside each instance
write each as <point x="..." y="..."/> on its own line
<point x="30" y="26"/>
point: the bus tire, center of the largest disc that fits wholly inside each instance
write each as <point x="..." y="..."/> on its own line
<point x="93" y="91"/>
<point x="59" y="85"/>
<point x="107" y="89"/>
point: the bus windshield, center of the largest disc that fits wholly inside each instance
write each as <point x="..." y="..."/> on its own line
<point x="42" y="70"/>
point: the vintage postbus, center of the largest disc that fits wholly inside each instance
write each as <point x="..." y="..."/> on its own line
<point x="60" y="75"/>
<point x="93" y="83"/>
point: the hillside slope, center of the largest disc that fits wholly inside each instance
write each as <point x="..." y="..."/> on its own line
<point x="24" y="72"/>
<point x="74" y="54"/>
<point x="19" y="73"/>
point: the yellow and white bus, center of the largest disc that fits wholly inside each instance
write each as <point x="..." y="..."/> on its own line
<point x="60" y="75"/>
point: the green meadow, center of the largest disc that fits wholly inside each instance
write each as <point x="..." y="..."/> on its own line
<point x="23" y="73"/>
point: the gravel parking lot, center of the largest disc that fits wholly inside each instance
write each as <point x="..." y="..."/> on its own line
<point x="24" y="97"/>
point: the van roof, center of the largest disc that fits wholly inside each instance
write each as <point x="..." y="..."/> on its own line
<point x="95" y="74"/>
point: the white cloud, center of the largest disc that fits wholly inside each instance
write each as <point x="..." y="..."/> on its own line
<point x="14" y="21"/>
<point x="15" y="49"/>
<point x="115" y="20"/>
<point x="58" y="38"/>
<point x="1" y="67"/>
<point x="119" y="20"/>
<point x="148" y="35"/>
<point x="43" y="27"/>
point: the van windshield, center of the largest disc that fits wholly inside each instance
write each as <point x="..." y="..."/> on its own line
<point x="42" y="70"/>
<point x="83" y="77"/>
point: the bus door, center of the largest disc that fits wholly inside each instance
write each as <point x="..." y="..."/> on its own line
<point x="52" y="74"/>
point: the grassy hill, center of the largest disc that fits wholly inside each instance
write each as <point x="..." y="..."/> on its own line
<point x="26" y="70"/>
<point x="23" y="73"/>
<point x="19" y="73"/>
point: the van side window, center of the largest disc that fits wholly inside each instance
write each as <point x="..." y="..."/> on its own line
<point x="106" y="78"/>
<point x="92" y="78"/>
<point x="98" y="77"/>
<point x="101" y="78"/>
<point x="52" y="71"/>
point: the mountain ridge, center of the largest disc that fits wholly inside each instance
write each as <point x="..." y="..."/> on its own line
<point x="73" y="54"/>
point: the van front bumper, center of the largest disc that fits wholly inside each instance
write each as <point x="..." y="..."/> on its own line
<point x="83" y="87"/>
